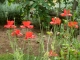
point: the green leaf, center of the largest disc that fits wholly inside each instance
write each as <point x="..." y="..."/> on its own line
<point x="11" y="0"/>
<point x="34" y="5"/>
<point x="9" y="3"/>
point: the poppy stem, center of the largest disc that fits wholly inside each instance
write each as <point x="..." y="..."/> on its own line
<point x="14" y="20"/>
<point x="48" y="43"/>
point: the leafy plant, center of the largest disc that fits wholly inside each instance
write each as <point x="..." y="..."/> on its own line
<point x="9" y="12"/>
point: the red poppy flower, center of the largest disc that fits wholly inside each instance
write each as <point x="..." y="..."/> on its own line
<point x="16" y="32"/>
<point x="55" y="21"/>
<point x="30" y="26"/>
<point x="52" y="53"/>
<point x="22" y="26"/>
<point x="10" y="24"/>
<point x="26" y="24"/>
<point x="29" y="35"/>
<point x="66" y="13"/>
<point x="73" y="24"/>
<point x="76" y="26"/>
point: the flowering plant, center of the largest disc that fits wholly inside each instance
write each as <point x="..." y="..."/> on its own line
<point x="26" y="24"/>
<point x="10" y="24"/>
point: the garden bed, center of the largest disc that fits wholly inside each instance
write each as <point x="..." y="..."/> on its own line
<point x="5" y="43"/>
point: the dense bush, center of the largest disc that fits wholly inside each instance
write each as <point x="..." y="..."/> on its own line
<point x="9" y="11"/>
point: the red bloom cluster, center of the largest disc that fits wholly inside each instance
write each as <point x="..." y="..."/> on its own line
<point x="29" y="34"/>
<point x="73" y="24"/>
<point x="66" y="13"/>
<point x="26" y="24"/>
<point x="10" y="24"/>
<point x="52" y="53"/>
<point x="16" y="32"/>
<point x="55" y="21"/>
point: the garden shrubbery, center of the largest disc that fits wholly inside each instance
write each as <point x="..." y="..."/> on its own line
<point x="39" y="12"/>
<point x="10" y="12"/>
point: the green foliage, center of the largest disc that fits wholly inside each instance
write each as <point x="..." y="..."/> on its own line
<point x="6" y="57"/>
<point x="36" y="11"/>
<point x="9" y="12"/>
<point x="2" y="1"/>
<point x="39" y="11"/>
<point x="10" y="57"/>
<point x="78" y="9"/>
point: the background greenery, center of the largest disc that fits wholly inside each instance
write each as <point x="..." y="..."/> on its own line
<point x="39" y="12"/>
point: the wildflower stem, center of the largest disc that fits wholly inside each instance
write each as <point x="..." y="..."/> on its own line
<point x="48" y="43"/>
<point x="14" y="20"/>
<point x="28" y="49"/>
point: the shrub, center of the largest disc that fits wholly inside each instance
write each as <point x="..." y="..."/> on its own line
<point x="9" y="12"/>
